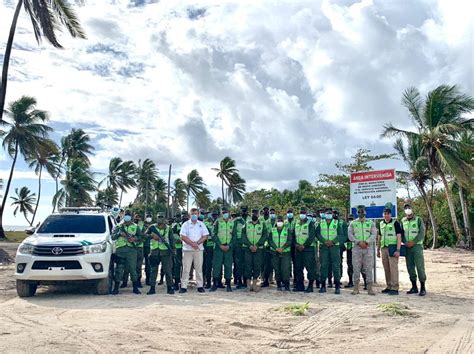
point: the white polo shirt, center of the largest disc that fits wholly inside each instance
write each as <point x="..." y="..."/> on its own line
<point x="194" y="232"/>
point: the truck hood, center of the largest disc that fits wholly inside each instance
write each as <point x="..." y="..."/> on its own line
<point x="70" y="239"/>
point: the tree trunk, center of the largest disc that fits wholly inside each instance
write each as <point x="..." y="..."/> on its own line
<point x="6" y="60"/>
<point x="223" y="198"/>
<point x="467" y="223"/>
<point x="168" y="196"/>
<point x="7" y="189"/>
<point x="452" y="211"/>
<point x="434" y="226"/>
<point x="146" y="197"/>
<point x="187" y="201"/>
<point x="120" y="201"/>
<point x="39" y="196"/>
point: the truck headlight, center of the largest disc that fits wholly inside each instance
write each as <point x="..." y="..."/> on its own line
<point x="26" y="248"/>
<point x="95" y="248"/>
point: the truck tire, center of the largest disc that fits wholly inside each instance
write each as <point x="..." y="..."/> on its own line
<point x="104" y="286"/>
<point x="25" y="288"/>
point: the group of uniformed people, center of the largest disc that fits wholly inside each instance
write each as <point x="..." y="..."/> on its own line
<point x="253" y="249"/>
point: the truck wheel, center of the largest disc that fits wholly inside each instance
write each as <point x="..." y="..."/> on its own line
<point x="104" y="286"/>
<point x="25" y="288"/>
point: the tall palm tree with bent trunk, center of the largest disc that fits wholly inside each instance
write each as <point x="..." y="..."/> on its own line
<point x="23" y="202"/>
<point x="47" y="18"/>
<point x="24" y="135"/>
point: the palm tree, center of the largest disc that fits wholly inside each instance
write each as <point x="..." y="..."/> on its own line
<point x="126" y="177"/>
<point x="418" y="173"/>
<point x="23" y="135"/>
<point x="194" y="185"/>
<point x="159" y="190"/>
<point x="76" y="186"/>
<point x="47" y="17"/>
<point x="108" y="197"/>
<point x="75" y="145"/>
<point x="225" y="172"/>
<point x="147" y="173"/>
<point x="439" y="121"/>
<point x="178" y="194"/>
<point x="24" y="202"/>
<point x="203" y="199"/>
<point x="236" y="189"/>
<point x="45" y="157"/>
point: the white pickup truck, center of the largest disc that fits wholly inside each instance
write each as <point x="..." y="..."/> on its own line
<point x="72" y="245"/>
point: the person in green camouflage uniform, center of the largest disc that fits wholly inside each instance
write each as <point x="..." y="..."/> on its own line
<point x="162" y="251"/>
<point x="267" y="271"/>
<point x="304" y="233"/>
<point x="238" y="251"/>
<point x="224" y="239"/>
<point x="125" y="235"/>
<point x="254" y="235"/>
<point x="209" y="250"/>
<point x="280" y="240"/>
<point x="140" y="253"/>
<point x="146" y="247"/>
<point x="178" y="245"/>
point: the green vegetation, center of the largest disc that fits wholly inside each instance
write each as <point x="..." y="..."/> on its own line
<point x="394" y="309"/>
<point x="297" y="309"/>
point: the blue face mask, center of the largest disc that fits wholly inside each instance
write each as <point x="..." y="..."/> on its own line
<point x="328" y="216"/>
<point x="127" y="218"/>
<point x="273" y="216"/>
<point x="310" y="218"/>
<point x="225" y="215"/>
<point x="289" y="215"/>
<point x="322" y="215"/>
<point x="194" y="217"/>
<point x="302" y="216"/>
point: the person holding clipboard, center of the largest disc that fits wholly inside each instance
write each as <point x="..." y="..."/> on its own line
<point x="389" y="241"/>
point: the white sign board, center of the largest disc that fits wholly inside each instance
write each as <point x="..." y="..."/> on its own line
<point x="374" y="189"/>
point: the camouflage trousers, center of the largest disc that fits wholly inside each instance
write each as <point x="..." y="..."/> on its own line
<point x="363" y="260"/>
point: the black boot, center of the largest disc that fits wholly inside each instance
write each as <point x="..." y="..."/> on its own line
<point x="322" y="289"/>
<point x="140" y="283"/>
<point x="220" y="285"/>
<point x="318" y="284"/>
<point x="228" y="286"/>
<point x="349" y="285"/>
<point x="279" y="288"/>
<point x="414" y="288"/>
<point x="124" y="285"/>
<point x="266" y="284"/>
<point x="135" y="288"/>
<point x="244" y="283"/>
<point x="338" y="288"/>
<point x="208" y="284"/>
<point x="151" y="291"/>
<point x="309" y="289"/>
<point x="215" y="285"/>
<point x="176" y="284"/>
<point x="286" y="285"/>
<point x="147" y="281"/>
<point x="240" y="284"/>
<point x="115" y="291"/>
<point x="161" y="279"/>
<point x="170" y="290"/>
<point x="422" y="289"/>
<point x="329" y="283"/>
<point x="365" y="284"/>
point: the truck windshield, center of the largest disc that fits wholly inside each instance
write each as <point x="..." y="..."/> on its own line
<point x="75" y="224"/>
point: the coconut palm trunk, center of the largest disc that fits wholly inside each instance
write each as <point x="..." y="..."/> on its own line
<point x="223" y="196"/>
<point x="434" y="226"/>
<point x="6" y="59"/>
<point x="120" y="201"/>
<point x="169" y="192"/>
<point x="452" y="211"/>
<point x="467" y="223"/>
<point x="7" y="189"/>
<point x="39" y="196"/>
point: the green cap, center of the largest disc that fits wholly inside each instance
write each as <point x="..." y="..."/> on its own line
<point x="359" y="207"/>
<point x="160" y="219"/>
<point x="388" y="207"/>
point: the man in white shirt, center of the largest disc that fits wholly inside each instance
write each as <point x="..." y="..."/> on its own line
<point x="193" y="233"/>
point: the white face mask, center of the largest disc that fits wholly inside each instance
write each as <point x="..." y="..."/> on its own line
<point x="408" y="211"/>
<point x="148" y="219"/>
<point x="279" y="223"/>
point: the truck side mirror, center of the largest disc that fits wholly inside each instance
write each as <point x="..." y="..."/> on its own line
<point x="30" y="230"/>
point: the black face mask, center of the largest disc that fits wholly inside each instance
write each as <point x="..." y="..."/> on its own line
<point x="266" y="213"/>
<point x="335" y="217"/>
<point x="244" y="214"/>
<point x="136" y="221"/>
<point x="254" y="217"/>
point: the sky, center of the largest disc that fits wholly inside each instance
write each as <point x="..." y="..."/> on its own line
<point x="284" y="87"/>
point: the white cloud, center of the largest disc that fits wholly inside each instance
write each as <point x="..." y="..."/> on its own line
<point x="285" y="88"/>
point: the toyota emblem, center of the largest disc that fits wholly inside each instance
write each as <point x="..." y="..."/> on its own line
<point x="57" y="251"/>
